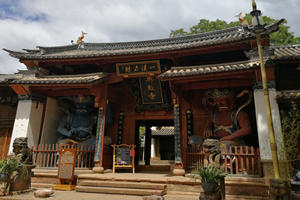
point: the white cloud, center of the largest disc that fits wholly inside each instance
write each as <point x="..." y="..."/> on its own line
<point x="32" y="23"/>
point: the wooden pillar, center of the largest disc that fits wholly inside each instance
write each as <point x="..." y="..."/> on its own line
<point x="148" y="145"/>
<point x="178" y="171"/>
<point x="177" y="135"/>
<point x="100" y="93"/>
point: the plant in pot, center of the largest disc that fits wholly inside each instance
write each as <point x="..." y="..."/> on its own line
<point x="10" y="168"/>
<point x="210" y="177"/>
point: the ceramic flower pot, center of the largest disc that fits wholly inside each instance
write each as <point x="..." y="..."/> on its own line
<point x="210" y="187"/>
<point x="4" y="177"/>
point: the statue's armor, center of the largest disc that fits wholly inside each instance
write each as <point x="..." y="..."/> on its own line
<point x="81" y="127"/>
<point x="229" y="129"/>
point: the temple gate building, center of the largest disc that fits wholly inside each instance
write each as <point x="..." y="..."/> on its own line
<point x="156" y="83"/>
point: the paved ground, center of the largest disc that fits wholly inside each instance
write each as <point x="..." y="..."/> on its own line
<point x="72" y="195"/>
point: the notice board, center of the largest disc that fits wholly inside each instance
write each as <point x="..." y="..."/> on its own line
<point x="66" y="167"/>
<point x="123" y="156"/>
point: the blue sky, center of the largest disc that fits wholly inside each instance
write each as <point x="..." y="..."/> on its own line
<point x="25" y="24"/>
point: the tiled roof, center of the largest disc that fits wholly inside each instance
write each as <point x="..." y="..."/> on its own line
<point x="165" y="130"/>
<point x="286" y="52"/>
<point x="94" y="50"/>
<point x="288" y="95"/>
<point x="205" y="69"/>
<point x="62" y="79"/>
<point x="4" y="78"/>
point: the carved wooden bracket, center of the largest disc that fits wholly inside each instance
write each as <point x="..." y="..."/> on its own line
<point x="100" y="93"/>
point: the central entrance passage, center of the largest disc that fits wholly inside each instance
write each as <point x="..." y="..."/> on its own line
<point x="154" y="142"/>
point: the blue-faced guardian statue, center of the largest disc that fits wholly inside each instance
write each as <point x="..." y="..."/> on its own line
<point x="78" y="123"/>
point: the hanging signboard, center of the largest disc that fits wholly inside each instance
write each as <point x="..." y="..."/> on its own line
<point x="99" y="135"/>
<point x="138" y="68"/>
<point x="151" y="90"/>
<point x="177" y="135"/>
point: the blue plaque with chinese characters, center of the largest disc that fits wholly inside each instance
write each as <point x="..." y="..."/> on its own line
<point x="150" y="94"/>
<point x="151" y="90"/>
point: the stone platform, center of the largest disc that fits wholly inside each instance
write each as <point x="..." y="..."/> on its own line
<point x="237" y="187"/>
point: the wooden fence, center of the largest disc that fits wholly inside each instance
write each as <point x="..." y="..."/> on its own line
<point x="46" y="155"/>
<point x="235" y="160"/>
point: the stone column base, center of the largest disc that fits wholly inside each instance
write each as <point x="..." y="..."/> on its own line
<point x="98" y="170"/>
<point x="267" y="169"/>
<point x="178" y="172"/>
<point x="279" y="189"/>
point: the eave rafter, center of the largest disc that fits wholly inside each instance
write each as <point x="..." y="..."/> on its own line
<point x="215" y="80"/>
<point x="61" y="90"/>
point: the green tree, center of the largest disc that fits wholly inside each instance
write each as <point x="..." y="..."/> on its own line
<point x="288" y="151"/>
<point x="282" y="37"/>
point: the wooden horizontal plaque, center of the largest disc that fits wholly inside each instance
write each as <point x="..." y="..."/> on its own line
<point x="137" y="68"/>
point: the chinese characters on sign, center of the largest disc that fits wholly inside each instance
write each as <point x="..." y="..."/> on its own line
<point x="151" y="90"/>
<point x="177" y="135"/>
<point x="99" y="135"/>
<point x="67" y="163"/>
<point x="120" y="128"/>
<point x="145" y="67"/>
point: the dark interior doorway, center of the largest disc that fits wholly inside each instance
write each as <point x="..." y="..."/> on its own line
<point x="154" y="142"/>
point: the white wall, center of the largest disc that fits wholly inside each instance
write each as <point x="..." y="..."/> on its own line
<point x="27" y="122"/>
<point x="153" y="147"/>
<point x="53" y="115"/>
<point x="262" y="122"/>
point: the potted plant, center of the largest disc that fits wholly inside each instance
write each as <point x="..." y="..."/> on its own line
<point x="10" y="168"/>
<point x="210" y="177"/>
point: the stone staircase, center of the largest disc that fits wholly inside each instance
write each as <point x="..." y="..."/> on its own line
<point x="144" y="184"/>
<point x="121" y="187"/>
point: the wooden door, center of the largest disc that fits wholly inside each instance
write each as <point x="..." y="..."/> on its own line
<point x="5" y="136"/>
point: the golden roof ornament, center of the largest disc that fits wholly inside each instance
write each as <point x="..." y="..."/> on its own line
<point x="243" y="20"/>
<point x="79" y="41"/>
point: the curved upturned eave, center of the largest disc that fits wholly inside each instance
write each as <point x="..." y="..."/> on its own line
<point x="168" y="45"/>
<point x="89" y="54"/>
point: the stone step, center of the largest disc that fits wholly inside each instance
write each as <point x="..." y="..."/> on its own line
<point x="123" y="191"/>
<point x="242" y="197"/>
<point x="41" y="185"/>
<point x="180" y="193"/>
<point x="119" y="184"/>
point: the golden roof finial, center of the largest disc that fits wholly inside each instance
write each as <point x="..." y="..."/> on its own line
<point x="79" y="41"/>
<point x="243" y="20"/>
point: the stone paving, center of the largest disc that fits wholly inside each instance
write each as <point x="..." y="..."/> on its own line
<point x="72" y="195"/>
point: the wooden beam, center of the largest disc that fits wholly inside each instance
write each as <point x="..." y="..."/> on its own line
<point x="55" y="93"/>
<point x="239" y="74"/>
<point x="41" y="88"/>
<point x="216" y="84"/>
<point x="113" y="78"/>
<point x="19" y="89"/>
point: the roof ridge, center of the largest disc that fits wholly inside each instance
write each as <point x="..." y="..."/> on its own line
<point x="73" y="75"/>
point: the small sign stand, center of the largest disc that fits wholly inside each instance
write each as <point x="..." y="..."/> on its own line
<point x="66" y="165"/>
<point x="123" y="157"/>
